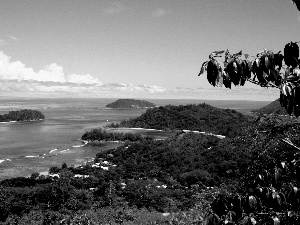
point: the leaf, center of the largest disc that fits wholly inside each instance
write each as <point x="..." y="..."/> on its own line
<point x="218" y="52"/>
<point x="267" y="63"/>
<point x="237" y="54"/>
<point x="203" y="68"/>
<point x="220" y="78"/>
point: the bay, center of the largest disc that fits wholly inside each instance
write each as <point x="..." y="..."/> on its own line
<point x="28" y="147"/>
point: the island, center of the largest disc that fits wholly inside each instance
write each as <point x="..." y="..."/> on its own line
<point x="22" y="115"/>
<point x="130" y="104"/>
<point x="159" y="181"/>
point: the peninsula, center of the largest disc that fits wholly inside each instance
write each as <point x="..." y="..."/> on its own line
<point x="201" y="117"/>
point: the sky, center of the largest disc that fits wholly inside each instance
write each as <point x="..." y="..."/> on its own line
<point x="134" y="48"/>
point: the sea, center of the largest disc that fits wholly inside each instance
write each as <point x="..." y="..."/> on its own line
<point x="30" y="147"/>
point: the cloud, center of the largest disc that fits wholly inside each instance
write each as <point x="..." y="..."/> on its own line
<point x="133" y="88"/>
<point x="160" y="13"/>
<point x="2" y="42"/>
<point x="51" y="73"/>
<point x="114" y="8"/>
<point x="222" y="93"/>
<point x="18" y="80"/>
<point x="13" y="38"/>
<point x="27" y="88"/>
<point x="116" y="85"/>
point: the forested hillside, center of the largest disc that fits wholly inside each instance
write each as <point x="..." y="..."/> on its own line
<point x="184" y="159"/>
<point x="156" y="176"/>
<point x="187" y="175"/>
<point x="272" y="108"/>
<point x="201" y="117"/>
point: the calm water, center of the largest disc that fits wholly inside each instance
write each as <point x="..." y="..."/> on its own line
<point x="29" y="147"/>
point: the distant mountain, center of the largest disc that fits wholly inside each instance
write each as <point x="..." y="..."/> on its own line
<point x="202" y="117"/>
<point x="22" y="115"/>
<point x="272" y="108"/>
<point x="130" y="103"/>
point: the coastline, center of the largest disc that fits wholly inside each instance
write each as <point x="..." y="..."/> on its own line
<point x="56" y="152"/>
<point x="74" y="156"/>
<point x="71" y="117"/>
<point x="130" y="128"/>
<point x="47" y="174"/>
<point x="44" y="155"/>
<point x="20" y="121"/>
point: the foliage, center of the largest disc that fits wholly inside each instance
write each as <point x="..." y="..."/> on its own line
<point x="54" y="170"/>
<point x="101" y="135"/>
<point x="184" y="159"/>
<point x="297" y="3"/>
<point x="201" y="117"/>
<point x="22" y="115"/>
<point x="130" y="103"/>
<point x="190" y="178"/>
<point x="268" y="189"/>
<point x="272" y="108"/>
<point x="265" y="70"/>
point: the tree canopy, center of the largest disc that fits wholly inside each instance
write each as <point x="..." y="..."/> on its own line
<point x="22" y="115"/>
<point x="297" y="3"/>
<point x="265" y="69"/>
<point x="130" y="103"/>
<point x="201" y="117"/>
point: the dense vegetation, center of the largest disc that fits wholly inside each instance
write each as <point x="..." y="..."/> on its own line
<point x="272" y="108"/>
<point x="148" y="177"/>
<point x="22" y="115"/>
<point x="269" y="190"/>
<point x="201" y="117"/>
<point x="266" y="70"/>
<point x="130" y="103"/>
<point x="183" y="160"/>
<point x="144" y="167"/>
<point x="102" y="135"/>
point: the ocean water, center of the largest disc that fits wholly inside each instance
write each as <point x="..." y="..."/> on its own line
<point x="28" y="147"/>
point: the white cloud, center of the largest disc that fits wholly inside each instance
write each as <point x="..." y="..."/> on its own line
<point x="13" y="38"/>
<point x="18" y="80"/>
<point x="51" y="73"/>
<point x="85" y="79"/>
<point x="160" y="12"/>
<point x="114" y="8"/>
<point x="133" y="88"/>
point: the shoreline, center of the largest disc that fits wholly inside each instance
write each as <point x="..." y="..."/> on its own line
<point x="11" y="172"/>
<point x="49" y="154"/>
<point x="56" y="151"/>
<point x="131" y="128"/>
<point x="20" y="121"/>
<point x="46" y="173"/>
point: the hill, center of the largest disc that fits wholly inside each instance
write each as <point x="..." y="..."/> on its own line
<point x="186" y="176"/>
<point x="201" y="117"/>
<point x="22" y="115"/>
<point x="130" y="103"/>
<point x="272" y="108"/>
<point x="187" y="157"/>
